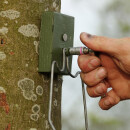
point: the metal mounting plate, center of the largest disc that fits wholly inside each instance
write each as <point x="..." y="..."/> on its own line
<point x="57" y="32"/>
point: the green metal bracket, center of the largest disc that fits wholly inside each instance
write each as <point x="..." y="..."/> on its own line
<point x="57" y="32"/>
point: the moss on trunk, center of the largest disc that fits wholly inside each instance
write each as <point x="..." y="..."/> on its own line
<point x="24" y="93"/>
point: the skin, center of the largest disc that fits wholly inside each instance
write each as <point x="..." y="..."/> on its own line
<point x="110" y="70"/>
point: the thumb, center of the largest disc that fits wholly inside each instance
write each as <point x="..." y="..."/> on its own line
<point x="100" y="43"/>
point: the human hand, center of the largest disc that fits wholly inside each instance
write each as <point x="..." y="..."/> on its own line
<point x="110" y="70"/>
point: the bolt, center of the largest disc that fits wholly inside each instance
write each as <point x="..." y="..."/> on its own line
<point x="65" y="37"/>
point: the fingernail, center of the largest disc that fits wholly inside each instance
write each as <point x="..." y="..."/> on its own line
<point x="107" y="103"/>
<point x="86" y="35"/>
<point x="93" y="63"/>
<point x="101" y="73"/>
<point x="99" y="90"/>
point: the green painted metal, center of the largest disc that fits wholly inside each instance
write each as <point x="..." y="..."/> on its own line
<point x="53" y="27"/>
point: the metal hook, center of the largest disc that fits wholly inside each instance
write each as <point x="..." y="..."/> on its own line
<point x="51" y="93"/>
<point x="83" y="92"/>
<point x="68" y="69"/>
<point x="85" y="106"/>
<point x="51" y="86"/>
<point x="74" y="51"/>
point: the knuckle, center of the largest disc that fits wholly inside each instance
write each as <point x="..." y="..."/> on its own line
<point x="81" y="62"/>
<point x="91" y="92"/>
<point x="117" y="100"/>
<point x="103" y="107"/>
<point x="87" y="80"/>
<point x="91" y="78"/>
<point x="101" y="73"/>
<point x="84" y="78"/>
<point x="104" y="87"/>
<point x="88" y="63"/>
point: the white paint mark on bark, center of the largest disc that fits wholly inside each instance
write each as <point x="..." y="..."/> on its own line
<point x="36" y="109"/>
<point x="2" y="55"/>
<point x="6" y="2"/>
<point x="28" y="95"/>
<point x="34" y="97"/>
<point x="27" y="87"/>
<point x="2" y="90"/>
<point x="30" y="30"/>
<point x="34" y="117"/>
<point x="39" y="90"/>
<point x="26" y="84"/>
<point x="3" y="30"/>
<point x="36" y="43"/>
<point x="11" y="14"/>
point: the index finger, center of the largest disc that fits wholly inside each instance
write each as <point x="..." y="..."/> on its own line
<point x="88" y="63"/>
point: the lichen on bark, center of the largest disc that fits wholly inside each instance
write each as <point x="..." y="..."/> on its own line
<point x="19" y="30"/>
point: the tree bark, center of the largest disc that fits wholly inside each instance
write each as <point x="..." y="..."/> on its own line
<point x="24" y="93"/>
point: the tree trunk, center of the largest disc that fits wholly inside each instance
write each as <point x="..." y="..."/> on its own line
<point x="24" y="93"/>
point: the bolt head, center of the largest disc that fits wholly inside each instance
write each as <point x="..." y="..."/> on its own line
<point x="65" y="37"/>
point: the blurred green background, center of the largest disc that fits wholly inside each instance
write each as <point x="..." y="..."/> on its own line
<point x="109" y="18"/>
